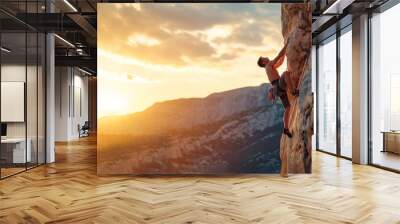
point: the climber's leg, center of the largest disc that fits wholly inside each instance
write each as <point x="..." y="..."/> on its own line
<point x="286" y="125"/>
<point x="286" y="116"/>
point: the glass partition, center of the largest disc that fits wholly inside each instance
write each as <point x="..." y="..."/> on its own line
<point x="346" y="93"/>
<point x="327" y="96"/>
<point x="385" y="89"/>
<point x="22" y="77"/>
<point x="13" y="94"/>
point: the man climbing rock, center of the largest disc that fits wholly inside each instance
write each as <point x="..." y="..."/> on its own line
<point x="279" y="84"/>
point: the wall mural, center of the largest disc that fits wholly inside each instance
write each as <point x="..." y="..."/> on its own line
<point x="211" y="88"/>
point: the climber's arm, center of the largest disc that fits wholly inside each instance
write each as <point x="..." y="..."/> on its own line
<point x="278" y="60"/>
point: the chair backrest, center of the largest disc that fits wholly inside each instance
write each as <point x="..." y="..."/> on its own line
<point x="86" y="124"/>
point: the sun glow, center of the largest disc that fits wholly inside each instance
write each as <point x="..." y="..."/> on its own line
<point x="113" y="103"/>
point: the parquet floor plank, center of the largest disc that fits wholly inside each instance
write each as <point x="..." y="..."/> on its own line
<point x="69" y="191"/>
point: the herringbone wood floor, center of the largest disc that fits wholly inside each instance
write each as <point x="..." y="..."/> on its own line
<point x="70" y="192"/>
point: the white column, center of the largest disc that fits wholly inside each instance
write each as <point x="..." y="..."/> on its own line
<point x="360" y="90"/>
<point x="50" y="99"/>
<point x="50" y="92"/>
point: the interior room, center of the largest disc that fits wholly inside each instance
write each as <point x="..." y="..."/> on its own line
<point x="199" y="112"/>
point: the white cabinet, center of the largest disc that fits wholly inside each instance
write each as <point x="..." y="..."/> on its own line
<point x="19" y="155"/>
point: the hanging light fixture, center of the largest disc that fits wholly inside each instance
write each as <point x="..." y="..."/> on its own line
<point x="70" y="5"/>
<point x="5" y="50"/>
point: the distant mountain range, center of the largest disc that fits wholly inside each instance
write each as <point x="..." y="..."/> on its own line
<point x="226" y="132"/>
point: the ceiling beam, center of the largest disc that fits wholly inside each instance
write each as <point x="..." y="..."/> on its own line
<point x="78" y="61"/>
<point x="337" y="7"/>
<point x="84" y="24"/>
<point x="49" y="22"/>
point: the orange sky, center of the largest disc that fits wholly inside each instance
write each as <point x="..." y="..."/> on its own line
<point x="153" y="52"/>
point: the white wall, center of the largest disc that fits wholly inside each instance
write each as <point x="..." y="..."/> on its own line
<point x="71" y="102"/>
<point x="62" y="81"/>
<point x="16" y="73"/>
<point x="80" y="109"/>
<point x="11" y="73"/>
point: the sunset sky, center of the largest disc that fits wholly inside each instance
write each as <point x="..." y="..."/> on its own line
<point x="153" y="52"/>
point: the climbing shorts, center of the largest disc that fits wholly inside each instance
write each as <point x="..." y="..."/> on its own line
<point x="279" y="86"/>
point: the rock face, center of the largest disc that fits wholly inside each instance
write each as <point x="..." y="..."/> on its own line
<point x="236" y="131"/>
<point x="295" y="152"/>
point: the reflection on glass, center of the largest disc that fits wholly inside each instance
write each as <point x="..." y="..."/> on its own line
<point x="346" y="94"/>
<point x="327" y="96"/>
<point x="385" y="84"/>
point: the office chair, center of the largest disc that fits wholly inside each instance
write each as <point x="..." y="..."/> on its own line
<point x="84" y="130"/>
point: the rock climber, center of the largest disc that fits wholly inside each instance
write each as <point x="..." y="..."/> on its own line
<point x="279" y="84"/>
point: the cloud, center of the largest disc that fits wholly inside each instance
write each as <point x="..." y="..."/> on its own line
<point x="252" y="33"/>
<point x="173" y="50"/>
<point x="228" y="56"/>
<point x="185" y="34"/>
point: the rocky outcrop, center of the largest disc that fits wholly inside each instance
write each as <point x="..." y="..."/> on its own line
<point x="295" y="152"/>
